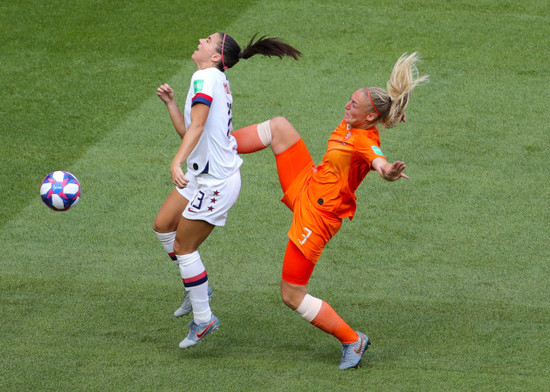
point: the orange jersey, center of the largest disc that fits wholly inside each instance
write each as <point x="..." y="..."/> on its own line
<point x="322" y="196"/>
<point x="347" y="161"/>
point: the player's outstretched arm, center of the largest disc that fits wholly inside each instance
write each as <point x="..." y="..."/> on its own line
<point x="389" y="171"/>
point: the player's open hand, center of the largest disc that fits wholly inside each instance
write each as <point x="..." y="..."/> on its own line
<point x="394" y="171"/>
<point x="165" y="93"/>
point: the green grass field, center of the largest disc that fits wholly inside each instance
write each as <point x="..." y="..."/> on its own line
<point x="448" y="273"/>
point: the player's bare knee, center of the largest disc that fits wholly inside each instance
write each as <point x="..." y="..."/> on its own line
<point x="284" y="135"/>
<point x="180" y="249"/>
<point x="162" y="227"/>
<point x="156" y="226"/>
<point x="288" y="302"/>
<point x="279" y="125"/>
<point x="289" y="299"/>
<point x="184" y="246"/>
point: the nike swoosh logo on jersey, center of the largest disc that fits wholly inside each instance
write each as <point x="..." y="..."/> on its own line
<point x="204" y="331"/>
<point x="190" y="210"/>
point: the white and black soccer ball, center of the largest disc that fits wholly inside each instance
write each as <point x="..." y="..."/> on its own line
<point x="60" y="190"/>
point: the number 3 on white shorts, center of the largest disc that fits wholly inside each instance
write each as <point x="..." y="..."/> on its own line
<point x="305" y="236"/>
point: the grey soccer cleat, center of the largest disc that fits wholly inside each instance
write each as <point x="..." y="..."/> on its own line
<point x="197" y="332"/>
<point x="186" y="307"/>
<point x="352" y="353"/>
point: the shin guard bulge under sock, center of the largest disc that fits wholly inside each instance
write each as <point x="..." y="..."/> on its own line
<point x="195" y="280"/>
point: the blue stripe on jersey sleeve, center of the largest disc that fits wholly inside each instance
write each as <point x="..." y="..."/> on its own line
<point x="201" y="98"/>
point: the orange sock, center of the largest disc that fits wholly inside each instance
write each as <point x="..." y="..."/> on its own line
<point x="329" y="321"/>
<point x="248" y="140"/>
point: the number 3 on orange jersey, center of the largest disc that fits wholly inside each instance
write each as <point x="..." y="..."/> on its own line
<point x="305" y="236"/>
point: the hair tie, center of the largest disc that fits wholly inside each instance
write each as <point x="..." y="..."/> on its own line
<point x="372" y="103"/>
<point x="223" y="44"/>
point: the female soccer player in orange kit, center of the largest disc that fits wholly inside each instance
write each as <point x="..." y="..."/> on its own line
<point x="322" y="196"/>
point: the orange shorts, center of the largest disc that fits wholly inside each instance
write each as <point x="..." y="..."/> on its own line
<point x="296" y="268"/>
<point x="311" y="228"/>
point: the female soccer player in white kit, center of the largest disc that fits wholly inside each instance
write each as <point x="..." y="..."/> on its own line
<point x="211" y="185"/>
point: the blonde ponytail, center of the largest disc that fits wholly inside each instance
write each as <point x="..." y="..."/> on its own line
<point x="391" y="104"/>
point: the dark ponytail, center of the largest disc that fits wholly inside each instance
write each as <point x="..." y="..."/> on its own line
<point x="231" y="51"/>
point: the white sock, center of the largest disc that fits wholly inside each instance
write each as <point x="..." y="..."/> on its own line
<point x="195" y="281"/>
<point x="167" y="241"/>
<point x="310" y="307"/>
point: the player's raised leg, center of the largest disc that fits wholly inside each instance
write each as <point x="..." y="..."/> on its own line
<point x="278" y="133"/>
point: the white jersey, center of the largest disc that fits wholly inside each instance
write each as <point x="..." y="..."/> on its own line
<point x="216" y="151"/>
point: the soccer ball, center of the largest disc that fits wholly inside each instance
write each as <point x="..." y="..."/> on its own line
<point x="60" y="190"/>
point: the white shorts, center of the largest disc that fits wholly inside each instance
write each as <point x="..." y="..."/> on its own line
<point x="210" y="198"/>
